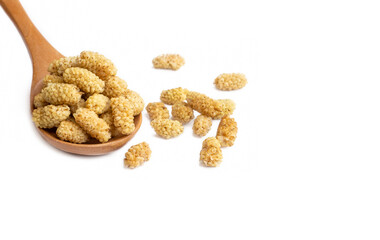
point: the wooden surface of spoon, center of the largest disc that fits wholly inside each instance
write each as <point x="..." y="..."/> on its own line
<point x="42" y="54"/>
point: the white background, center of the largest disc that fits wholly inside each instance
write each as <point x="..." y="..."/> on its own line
<point x="305" y="164"/>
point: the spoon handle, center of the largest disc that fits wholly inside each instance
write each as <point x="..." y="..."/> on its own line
<point x="40" y="50"/>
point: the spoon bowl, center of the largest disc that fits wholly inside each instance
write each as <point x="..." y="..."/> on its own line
<point x="42" y="54"/>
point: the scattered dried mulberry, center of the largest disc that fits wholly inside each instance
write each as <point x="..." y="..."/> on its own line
<point x="50" y="116"/>
<point x="182" y="112"/>
<point x="58" y="67"/>
<point x="39" y="101"/>
<point x="92" y="124"/>
<point x="230" y="81"/>
<point x="168" y="61"/>
<point x="136" y="101"/>
<point x="227" y="131"/>
<point x="75" y="107"/>
<point x="202" y="125"/>
<point x="137" y="155"/>
<point x="227" y="106"/>
<point x="206" y="105"/>
<point x="115" y="87"/>
<point x="211" y="153"/>
<point x="84" y="79"/>
<point x="174" y="95"/>
<point x="61" y="93"/>
<point x="167" y="128"/>
<point x="52" y="79"/>
<point x="98" y="103"/>
<point x="115" y="132"/>
<point x="123" y="114"/>
<point x="157" y="110"/>
<point x="98" y="64"/>
<point x="70" y="131"/>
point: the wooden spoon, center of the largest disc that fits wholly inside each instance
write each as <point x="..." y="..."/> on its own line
<point x="42" y="54"/>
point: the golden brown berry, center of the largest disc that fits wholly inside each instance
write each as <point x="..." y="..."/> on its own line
<point x="98" y="103"/>
<point x="115" y="87"/>
<point x="50" y="116"/>
<point x="168" y="61"/>
<point x="136" y="101"/>
<point x="227" y="131"/>
<point x="122" y="113"/>
<point x="167" y="128"/>
<point x="70" y="131"/>
<point x="230" y="81"/>
<point x="137" y="155"/>
<point x="61" y="93"/>
<point x="52" y="79"/>
<point x="92" y="124"/>
<point x="182" y="112"/>
<point x="39" y="101"/>
<point x="157" y="110"/>
<point x="211" y="153"/>
<point x="115" y="132"/>
<point x="98" y="64"/>
<point x="58" y="67"/>
<point x="173" y="96"/>
<point x="209" y="107"/>
<point x="202" y="125"/>
<point x="84" y="79"/>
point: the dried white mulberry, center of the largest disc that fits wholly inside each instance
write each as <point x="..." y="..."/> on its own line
<point x="50" y="116"/>
<point x="61" y="93"/>
<point x="167" y="128"/>
<point x="174" y="95"/>
<point x="98" y="103"/>
<point x="122" y="113"/>
<point x="230" y="81"/>
<point x="98" y="64"/>
<point x="87" y="81"/>
<point x="157" y="110"/>
<point x="92" y="124"/>
<point x="70" y="131"/>
<point x="137" y="155"/>
<point x="182" y="112"/>
<point x="227" y="131"/>
<point x="211" y="153"/>
<point x="168" y="61"/>
<point x="202" y="125"/>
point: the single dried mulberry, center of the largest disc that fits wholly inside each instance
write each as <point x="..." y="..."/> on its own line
<point x="39" y="101"/>
<point x="75" y="107"/>
<point x="61" y="93"/>
<point x="50" y="116"/>
<point x="115" y="87"/>
<point x="52" y="79"/>
<point x="207" y="106"/>
<point x="87" y="81"/>
<point x="136" y="101"/>
<point x="168" y="61"/>
<point x="157" y="110"/>
<point x="137" y="155"/>
<point x="174" y="95"/>
<point x="92" y="124"/>
<point x="98" y="103"/>
<point x="230" y="81"/>
<point x="70" y="131"/>
<point x="202" y="125"/>
<point x="58" y="67"/>
<point x="167" y="128"/>
<point x="115" y="132"/>
<point x="98" y="64"/>
<point x="211" y="153"/>
<point x="227" y="106"/>
<point x="227" y="131"/>
<point x="122" y="113"/>
<point x="182" y="112"/>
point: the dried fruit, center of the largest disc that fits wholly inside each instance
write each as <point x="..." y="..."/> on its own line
<point x="157" y="110"/>
<point x="98" y="103"/>
<point x="182" y="112"/>
<point x="227" y="131"/>
<point x="137" y="155"/>
<point x="122" y="113"/>
<point x="98" y="64"/>
<point x="174" y="95"/>
<point x="70" y="131"/>
<point x="211" y="153"/>
<point x="87" y="81"/>
<point x="168" y="61"/>
<point x="230" y="81"/>
<point x="202" y="125"/>
<point x="61" y="93"/>
<point x="92" y="124"/>
<point x="50" y="116"/>
<point x="167" y="128"/>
